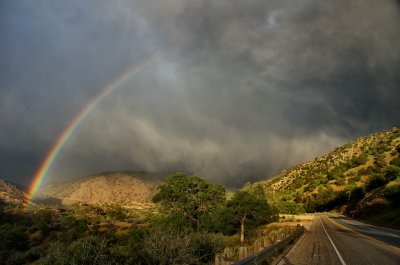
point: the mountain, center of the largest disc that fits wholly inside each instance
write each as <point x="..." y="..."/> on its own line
<point x="11" y="195"/>
<point x="124" y="188"/>
<point x="359" y="178"/>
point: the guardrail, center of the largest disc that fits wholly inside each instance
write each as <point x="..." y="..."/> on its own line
<point x="263" y="256"/>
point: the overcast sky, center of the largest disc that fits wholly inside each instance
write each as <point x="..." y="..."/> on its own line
<point x="233" y="90"/>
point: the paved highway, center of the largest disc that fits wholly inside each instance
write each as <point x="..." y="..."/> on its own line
<point x="336" y="239"/>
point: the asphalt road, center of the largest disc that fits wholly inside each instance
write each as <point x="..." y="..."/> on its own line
<point x="334" y="239"/>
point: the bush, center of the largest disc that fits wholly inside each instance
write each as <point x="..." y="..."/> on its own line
<point x="116" y="212"/>
<point x="16" y="258"/>
<point x="392" y="192"/>
<point x="43" y="220"/>
<point x="289" y="207"/>
<point x="89" y="250"/>
<point x="356" y="195"/>
<point x="375" y="182"/>
<point x="395" y="161"/>
<point x="330" y="176"/>
<point x="360" y="160"/>
<point x="391" y="173"/>
<point x="170" y="246"/>
<point x="73" y="229"/>
<point x="13" y="237"/>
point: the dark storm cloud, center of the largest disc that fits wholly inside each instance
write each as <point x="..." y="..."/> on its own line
<point x="235" y="91"/>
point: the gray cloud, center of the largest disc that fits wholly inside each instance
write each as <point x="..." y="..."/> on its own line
<point x="236" y="90"/>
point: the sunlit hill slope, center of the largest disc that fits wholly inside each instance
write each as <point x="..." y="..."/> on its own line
<point x="11" y="195"/>
<point x="360" y="178"/>
<point x="123" y="188"/>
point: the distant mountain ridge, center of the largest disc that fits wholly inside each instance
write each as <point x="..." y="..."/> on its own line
<point x="365" y="171"/>
<point x="123" y="188"/>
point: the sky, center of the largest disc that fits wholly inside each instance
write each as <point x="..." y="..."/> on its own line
<point x="231" y="90"/>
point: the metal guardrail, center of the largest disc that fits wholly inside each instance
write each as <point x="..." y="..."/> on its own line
<point x="262" y="256"/>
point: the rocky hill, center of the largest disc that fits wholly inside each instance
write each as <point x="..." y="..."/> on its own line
<point x="365" y="171"/>
<point x="11" y="195"/>
<point x="123" y="188"/>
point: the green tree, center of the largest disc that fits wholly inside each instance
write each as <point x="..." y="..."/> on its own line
<point x="248" y="209"/>
<point x="256" y="189"/>
<point x="289" y="207"/>
<point x="191" y="198"/>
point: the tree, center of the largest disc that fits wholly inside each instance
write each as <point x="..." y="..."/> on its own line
<point x="248" y="209"/>
<point x="190" y="198"/>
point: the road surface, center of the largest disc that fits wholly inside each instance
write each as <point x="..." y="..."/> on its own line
<point x="335" y="239"/>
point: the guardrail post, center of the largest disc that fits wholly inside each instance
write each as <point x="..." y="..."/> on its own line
<point x="242" y="253"/>
<point x="264" y="255"/>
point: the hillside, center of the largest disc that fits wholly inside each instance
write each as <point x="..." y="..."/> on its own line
<point x="362" y="174"/>
<point x="11" y="195"/>
<point x="124" y="188"/>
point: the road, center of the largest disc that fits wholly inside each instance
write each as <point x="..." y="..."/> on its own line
<point x="335" y="239"/>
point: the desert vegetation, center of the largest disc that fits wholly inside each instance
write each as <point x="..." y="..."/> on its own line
<point x="360" y="178"/>
<point x="191" y="221"/>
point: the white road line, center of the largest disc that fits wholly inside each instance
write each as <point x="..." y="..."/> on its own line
<point x="337" y="251"/>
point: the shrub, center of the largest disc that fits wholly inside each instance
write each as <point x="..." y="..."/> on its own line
<point x="170" y="246"/>
<point x="330" y="176"/>
<point x="360" y="160"/>
<point x="340" y="182"/>
<point x="395" y="161"/>
<point x="13" y="237"/>
<point x="375" y="182"/>
<point x="117" y="213"/>
<point x="73" y="228"/>
<point x="391" y="173"/>
<point x="16" y="258"/>
<point x="392" y="192"/>
<point x="43" y="220"/>
<point x="356" y="195"/>
<point x="89" y="250"/>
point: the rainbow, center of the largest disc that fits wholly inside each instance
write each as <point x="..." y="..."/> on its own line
<point x="53" y="153"/>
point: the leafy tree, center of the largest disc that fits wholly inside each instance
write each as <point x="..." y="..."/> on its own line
<point x="289" y="207"/>
<point x="248" y="209"/>
<point x="191" y="198"/>
<point x="256" y="189"/>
